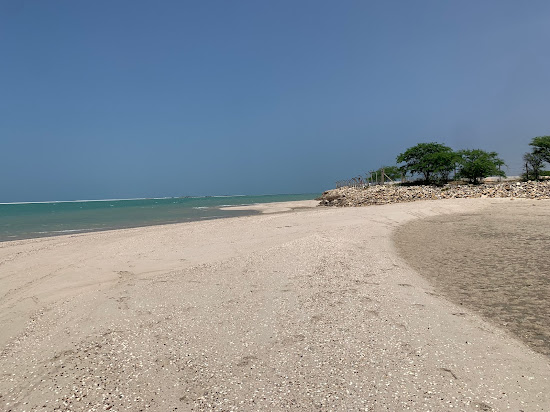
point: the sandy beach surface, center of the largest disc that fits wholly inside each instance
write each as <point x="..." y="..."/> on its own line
<point x="302" y="309"/>
<point x="493" y="261"/>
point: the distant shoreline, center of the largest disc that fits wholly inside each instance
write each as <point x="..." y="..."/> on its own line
<point x="43" y="219"/>
<point x="140" y="198"/>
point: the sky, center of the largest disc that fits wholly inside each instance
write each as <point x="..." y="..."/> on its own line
<point x="125" y="99"/>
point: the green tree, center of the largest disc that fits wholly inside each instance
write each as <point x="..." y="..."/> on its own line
<point x="533" y="163"/>
<point x="434" y="161"/>
<point x="476" y="165"/>
<point x="541" y="146"/>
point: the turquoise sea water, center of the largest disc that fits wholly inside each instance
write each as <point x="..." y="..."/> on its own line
<point x="30" y="220"/>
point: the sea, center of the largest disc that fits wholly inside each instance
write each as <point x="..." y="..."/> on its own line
<point x="40" y="219"/>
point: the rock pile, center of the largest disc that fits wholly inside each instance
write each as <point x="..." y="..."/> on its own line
<point x="384" y="194"/>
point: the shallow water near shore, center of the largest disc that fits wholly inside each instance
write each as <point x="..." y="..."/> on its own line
<point x="31" y="220"/>
<point x="494" y="262"/>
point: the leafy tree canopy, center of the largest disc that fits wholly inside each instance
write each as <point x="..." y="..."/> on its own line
<point x="476" y="165"/>
<point x="541" y="146"/>
<point x="533" y="165"/>
<point x="434" y="161"/>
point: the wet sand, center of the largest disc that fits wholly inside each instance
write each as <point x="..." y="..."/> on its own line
<point x="494" y="262"/>
<point x="310" y="309"/>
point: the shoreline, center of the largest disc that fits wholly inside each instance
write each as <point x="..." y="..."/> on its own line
<point x="315" y="305"/>
<point x="275" y="207"/>
<point x="74" y="232"/>
<point x="36" y="220"/>
<point x="251" y="210"/>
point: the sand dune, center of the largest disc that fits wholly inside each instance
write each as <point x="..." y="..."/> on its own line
<point x="308" y="309"/>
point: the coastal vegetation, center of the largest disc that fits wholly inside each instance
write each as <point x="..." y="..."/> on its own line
<point x="535" y="159"/>
<point x="433" y="165"/>
<point x="541" y="146"/>
<point x="533" y="165"/>
<point x="476" y="165"/>
<point x="436" y="162"/>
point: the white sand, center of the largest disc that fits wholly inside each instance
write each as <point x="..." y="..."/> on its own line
<point x="276" y="207"/>
<point x="302" y="310"/>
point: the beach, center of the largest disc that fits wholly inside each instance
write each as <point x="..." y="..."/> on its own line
<point x="298" y="307"/>
<point x="495" y="265"/>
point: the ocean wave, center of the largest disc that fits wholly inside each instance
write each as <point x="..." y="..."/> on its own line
<point x="87" y="200"/>
<point x="65" y="231"/>
<point x="206" y="197"/>
<point x="139" y="198"/>
<point x="68" y="201"/>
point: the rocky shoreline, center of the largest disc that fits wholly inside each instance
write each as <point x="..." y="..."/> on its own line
<point x="385" y="194"/>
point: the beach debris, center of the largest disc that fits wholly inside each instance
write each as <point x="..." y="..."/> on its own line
<point x="385" y="194"/>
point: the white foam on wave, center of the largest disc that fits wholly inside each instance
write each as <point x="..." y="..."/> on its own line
<point x="87" y="200"/>
<point x="67" y="201"/>
<point x="136" y="198"/>
<point x="206" y="197"/>
<point x="64" y="231"/>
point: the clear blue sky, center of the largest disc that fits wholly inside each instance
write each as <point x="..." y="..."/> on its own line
<point x="117" y="99"/>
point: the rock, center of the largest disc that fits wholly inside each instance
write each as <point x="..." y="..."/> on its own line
<point x="384" y="194"/>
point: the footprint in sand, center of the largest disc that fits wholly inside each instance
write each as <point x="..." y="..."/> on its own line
<point x="316" y="318"/>
<point x="246" y="360"/>
<point x="123" y="302"/>
<point x="482" y="406"/>
<point x="124" y="275"/>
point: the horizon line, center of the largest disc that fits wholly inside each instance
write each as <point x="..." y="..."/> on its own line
<point x="145" y="198"/>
